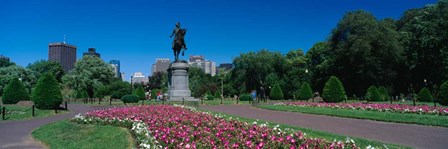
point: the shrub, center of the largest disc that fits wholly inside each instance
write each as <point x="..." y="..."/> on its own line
<point x="425" y="95"/>
<point x="14" y="92"/>
<point x="443" y="100"/>
<point x="276" y="93"/>
<point x="333" y="90"/>
<point x="140" y="93"/>
<point x="210" y="97"/>
<point x="245" y="97"/>
<point x="154" y="93"/>
<point x="384" y="93"/>
<point x="129" y="99"/>
<point x="305" y="92"/>
<point x="373" y="94"/>
<point x="47" y="94"/>
<point x="208" y="93"/>
<point x="218" y="94"/>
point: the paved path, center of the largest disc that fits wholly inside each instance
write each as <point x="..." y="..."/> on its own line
<point x="417" y="136"/>
<point x="17" y="134"/>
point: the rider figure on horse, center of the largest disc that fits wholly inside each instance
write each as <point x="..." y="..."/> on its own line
<point x="178" y="34"/>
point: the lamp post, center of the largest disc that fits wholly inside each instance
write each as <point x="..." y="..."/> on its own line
<point x="132" y="87"/>
<point x="222" y="87"/>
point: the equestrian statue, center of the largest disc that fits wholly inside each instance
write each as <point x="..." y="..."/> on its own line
<point x="178" y="42"/>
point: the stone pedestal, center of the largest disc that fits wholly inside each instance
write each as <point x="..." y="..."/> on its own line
<point x="178" y="81"/>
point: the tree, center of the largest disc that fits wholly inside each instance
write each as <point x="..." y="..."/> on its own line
<point x="140" y="93"/>
<point x="305" y="92"/>
<point x="319" y="60"/>
<point x="101" y="91"/>
<point x="47" y="94"/>
<point x="443" y="94"/>
<point x="384" y="93"/>
<point x="333" y="90"/>
<point x="373" y="94"/>
<point x="130" y="98"/>
<point x="119" y="88"/>
<point x="276" y="93"/>
<point x="425" y="95"/>
<point x="296" y="71"/>
<point x="14" y="92"/>
<point x="8" y="73"/>
<point x="89" y="72"/>
<point x="217" y="94"/>
<point x="6" y="63"/>
<point x="43" y="66"/>
<point x="200" y="83"/>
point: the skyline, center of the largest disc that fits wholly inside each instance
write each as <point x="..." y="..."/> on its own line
<point x="137" y="32"/>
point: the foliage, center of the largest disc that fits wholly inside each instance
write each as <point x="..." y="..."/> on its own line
<point x="333" y="90"/>
<point x="296" y="72"/>
<point x="305" y="92"/>
<point x="88" y="73"/>
<point x="210" y="97"/>
<point x="119" y="88"/>
<point x="101" y="91"/>
<point x="245" y="97"/>
<point x="373" y="94"/>
<point x="200" y="83"/>
<point x="47" y="94"/>
<point x="14" y="92"/>
<point x="154" y="93"/>
<point x="425" y="95"/>
<point x="208" y="93"/>
<point x="14" y="71"/>
<point x="384" y="93"/>
<point x="217" y="94"/>
<point x="43" y="66"/>
<point x="140" y="93"/>
<point x="276" y="93"/>
<point x="130" y="98"/>
<point x="6" y="63"/>
<point x="443" y="94"/>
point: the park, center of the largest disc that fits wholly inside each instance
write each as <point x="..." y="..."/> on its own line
<point x="373" y="83"/>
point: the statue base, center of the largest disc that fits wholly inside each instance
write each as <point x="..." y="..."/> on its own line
<point x="178" y="89"/>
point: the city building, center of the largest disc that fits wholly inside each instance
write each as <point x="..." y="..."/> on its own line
<point x="139" y="78"/>
<point x="63" y="53"/>
<point x="209" y="67"/>
<point x="224" y="67"/>
<point x="161" y="65"/>
<point x="116" y="65"/>
<point x="92" y="51"/>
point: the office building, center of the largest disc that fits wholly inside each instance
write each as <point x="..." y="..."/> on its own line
<point x="209" y="67"/>
<point x="196" y="58"/>
<point x="161" y="65"/>
<point x="92" y="52"/>
<point x="63" y="53"/>
<point x="139" y="78"/>
<point x="116" y="65"/>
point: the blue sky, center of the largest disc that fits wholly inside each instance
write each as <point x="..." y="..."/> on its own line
<point x="136" y="32"/>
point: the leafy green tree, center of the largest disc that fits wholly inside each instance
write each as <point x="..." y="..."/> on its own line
<point x="217" y="94"/>
<point x="384" y="93"/>
<point x="276" y="93"/>
<point x="305" y="92"/>
<point x="14" y="92"/>
<point x="119" y="88"/>
<point x="130" y="98"/>
<point x="373" y="94"/>
<point x="208" y="93"/>
<point x="443" y="94"/>
<point x="6" y="63"/>
<point x="140" y="93"/>
<point x="47" y="94"/>
<point x="25" y="75"/>
<point x="425" y="95"/>
<point x="43" y="66"/>
<point x="296" y="72"/>
<point x="320" y="60"/>
<point x="154" y="93"/>
<point x="101" y="91"/>
<point x="200" y="82"/>
<point x="89" y="72"/>
<point x="333" y="90"/>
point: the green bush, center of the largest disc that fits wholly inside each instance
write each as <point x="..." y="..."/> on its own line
<point x="208" y="93"/>
<point x="276" y="93"/>
<point x="384" y="93"/>
<point x="218" y="94"/>
<point x="443" y="100"/>
<point x="210" y="97"/>
<point x="305" y="92"/>
<point x="333" y="90"/>
<point x="47" y="94"/>
<point x="425" y="95"/>
<point x="14" y="92"/>
<point x="129" y="99"/>
<point x="154" y="93"/>
<point x="140" y="93"/>
<point x="373" y="94"/>
<point x="245" y="97"/>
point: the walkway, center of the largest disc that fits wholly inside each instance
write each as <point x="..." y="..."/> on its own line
<point x="17" y="134"/>
<point x="417" y="136"/>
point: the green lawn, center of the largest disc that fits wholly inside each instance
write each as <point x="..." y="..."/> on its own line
<point x="433" y="120"/>
<point x="70" y="135"/>
<point x="15" y="112"/>
<point x="360" y="142"/>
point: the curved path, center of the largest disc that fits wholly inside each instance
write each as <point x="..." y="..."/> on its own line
<point x="417" y="136"/>
<point x="17" y="134"/>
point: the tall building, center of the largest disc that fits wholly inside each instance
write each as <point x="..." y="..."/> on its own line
<point x="116" y="65"/>
<point x="92" y="51"/>
<point x="139" y="78"/>
<point x="209" y="67"/>
<point x="63" y="53"/>
<point x="161" y="65"/>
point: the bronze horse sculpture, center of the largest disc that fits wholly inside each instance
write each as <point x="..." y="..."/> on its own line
<point x="179" y="43"/>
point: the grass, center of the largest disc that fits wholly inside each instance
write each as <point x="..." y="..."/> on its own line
<point x="16" y="112"/>
<point x="311" y="133"/>
<point x="69" y="135"/>
<point x="432" y="120"/>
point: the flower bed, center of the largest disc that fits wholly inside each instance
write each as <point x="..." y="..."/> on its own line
<point x="400" y="108"/>
<point x="162" y="126"/>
